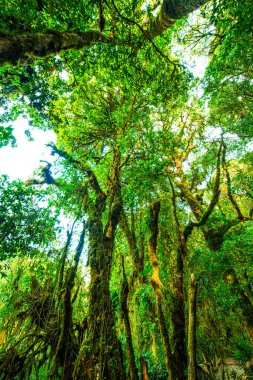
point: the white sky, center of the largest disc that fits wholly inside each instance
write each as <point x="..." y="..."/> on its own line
<point x="198" y="66"/>
<point x="21" y="161"/>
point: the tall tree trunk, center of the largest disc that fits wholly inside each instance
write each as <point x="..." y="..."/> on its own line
<point x="156" y="284"/>
<point x="144" y="369"/>
<point x="100" y="356"/>
<point x="178" y="320"/>
<point x="178" y="301"/>
<point x="192" y="298"/>
<point x="132" y="242"/>
<point x="137" y="251"/>
<point x="133" y="370"/>
<point x="178" y="311"/>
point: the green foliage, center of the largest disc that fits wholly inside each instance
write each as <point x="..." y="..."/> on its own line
<point x="20" y="16"/>
<point x="229" y="76"/>
<point x="26" y="224"/>
<point x="6" y="136"/>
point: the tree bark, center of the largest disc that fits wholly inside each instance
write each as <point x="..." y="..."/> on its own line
<point x="20" y="47"/>
<point x="100" y="356"/>
<point x="178" y="301"/>
<point x="178" y="320"/>
<point x="192" y="298"/>
<point x="156" y="284"/>
<point x="136" y="247"/>
<point x="132" y="242"/>
<point x="133" y="370"/>
<point x="144" y="369"/>
<point x="15" y="48"/>
<point x="171" y="11"/>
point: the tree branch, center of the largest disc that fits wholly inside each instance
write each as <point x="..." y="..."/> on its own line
<point x="214" y="200"/>
<point x="79" y="165"/>
<point x="171" y="11"/>
<point x="14" y="48"/>
<point x="19" y="47"/>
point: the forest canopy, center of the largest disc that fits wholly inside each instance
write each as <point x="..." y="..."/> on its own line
<point x="152" y="168"/>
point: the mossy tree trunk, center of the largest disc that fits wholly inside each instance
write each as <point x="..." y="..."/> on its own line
<point x="144" y="369"/>
<point x="192" y="304"/>
<point x="246" y="303"/>
<point x="131" y="226"/>
<point x="178" y="301"/>
<point x="178" y="305"/>
<point x="156" y="284"/>
<point x="178" y="321"/>
<point x="132" y="367"/>
<point x="171" y="11"/>
<point x="100" y="356"/>
<point x="20" y="46"/>
<point x="136" y="250"/>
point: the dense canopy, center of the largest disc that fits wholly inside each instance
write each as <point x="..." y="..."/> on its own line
<point x="152" y="169"/>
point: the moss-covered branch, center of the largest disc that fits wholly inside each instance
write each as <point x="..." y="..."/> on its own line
<point x="171" y="11"/>
<point x="19" y="47"/>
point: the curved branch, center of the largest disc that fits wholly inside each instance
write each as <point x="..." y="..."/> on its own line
<point x="171" y="11"/>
